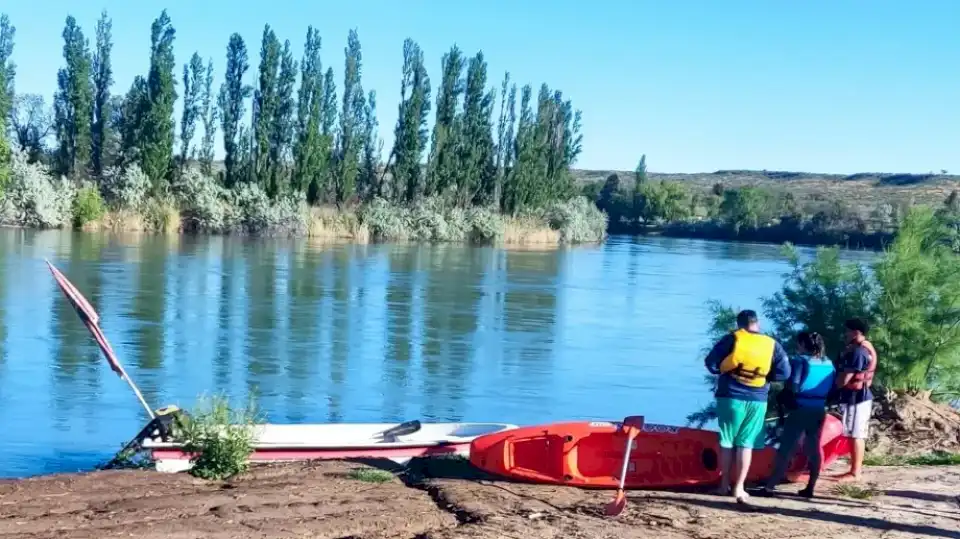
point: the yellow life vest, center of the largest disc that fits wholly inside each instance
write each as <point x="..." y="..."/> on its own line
<point x="751" y="358"/>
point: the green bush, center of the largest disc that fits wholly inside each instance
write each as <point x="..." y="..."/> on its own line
<point x="221" y="438"/>
<point x="87" y="206"/>
<point x="578" y="220"/>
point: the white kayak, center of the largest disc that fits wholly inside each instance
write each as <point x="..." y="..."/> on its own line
<point x="396" y="442"/>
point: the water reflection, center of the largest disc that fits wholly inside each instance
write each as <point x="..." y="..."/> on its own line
<point x="355" y="333"/>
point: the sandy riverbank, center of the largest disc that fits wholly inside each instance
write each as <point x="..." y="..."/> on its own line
<point x="327" y="500"/>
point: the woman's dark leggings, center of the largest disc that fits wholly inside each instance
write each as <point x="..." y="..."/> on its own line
<point x="806" y="422"/>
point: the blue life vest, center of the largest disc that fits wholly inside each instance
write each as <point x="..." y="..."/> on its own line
<point x="816" y="381"/>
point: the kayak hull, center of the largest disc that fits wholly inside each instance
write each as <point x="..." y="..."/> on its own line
<point x="280" y="443"/>
<point x="590" y="455"/>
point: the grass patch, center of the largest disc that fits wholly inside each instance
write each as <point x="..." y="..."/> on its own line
<point x="221" y="437"/>
<point x="857" y="492"/>
<point x="370" y="475"/>
<point x="935" y="458"/>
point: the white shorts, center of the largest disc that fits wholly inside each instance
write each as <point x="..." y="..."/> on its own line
<point x="856" y="419"/>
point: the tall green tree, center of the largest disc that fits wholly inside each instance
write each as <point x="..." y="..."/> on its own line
<point x="282" y="131"/>
<point x="129" y="120"/>
<point x="475" y="152"/>
<point x="209" y="113"/>
<point x="7" y="75"/>
<point x="410" y="134"/>
<point x="369" y="182"/>
<point x="193" y="88"/>
<point x="522" y="178"/>
<point x="442" y="165"/>
<point x="309" y="152"/>
<point x="157" y="136"/>
<point x="505" y="127"/>
<point x="233" y="93"/>
<point x="73" y="102"/>
<point x="102" y="81"/>
<point x="265" y="101"/>
<point x="349" y="141"/>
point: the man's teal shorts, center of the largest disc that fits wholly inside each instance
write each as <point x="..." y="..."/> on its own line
<point x="741" y="423"/>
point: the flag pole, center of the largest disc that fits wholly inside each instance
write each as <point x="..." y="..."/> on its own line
<point x="91" y="320"/>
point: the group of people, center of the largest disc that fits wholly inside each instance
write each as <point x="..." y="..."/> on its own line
<point x="747" y="361"/>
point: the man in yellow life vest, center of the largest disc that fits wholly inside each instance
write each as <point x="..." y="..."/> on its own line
<point x="746" y="361"/>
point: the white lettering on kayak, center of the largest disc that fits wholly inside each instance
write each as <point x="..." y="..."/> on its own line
<point x="659" y="429"/>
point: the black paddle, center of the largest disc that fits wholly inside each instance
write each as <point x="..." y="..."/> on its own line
<point x="403" y="429"/>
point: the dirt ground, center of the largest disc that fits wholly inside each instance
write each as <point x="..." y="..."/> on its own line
<point x="325" y="500"/>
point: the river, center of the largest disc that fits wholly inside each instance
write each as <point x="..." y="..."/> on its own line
<point x="364" y="333"/>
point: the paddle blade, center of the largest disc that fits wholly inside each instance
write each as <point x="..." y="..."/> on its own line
<point x="635" y="421"/>
<point x="403" y="429"/>
<point x="615" y="507"/>
<point x="88" y="316"/>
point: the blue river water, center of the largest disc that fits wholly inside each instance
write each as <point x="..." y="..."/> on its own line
<point x="355" y="333"/>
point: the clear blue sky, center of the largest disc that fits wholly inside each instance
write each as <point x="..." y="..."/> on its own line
<point x="819" y="85"/>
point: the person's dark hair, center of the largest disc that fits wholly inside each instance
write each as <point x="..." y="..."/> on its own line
<point x="857" y="324"/>
<point x="811" y="342"/>
<point x="745" y="318"/>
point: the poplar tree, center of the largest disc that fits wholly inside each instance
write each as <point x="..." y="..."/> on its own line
<point x="265" y="102"/>
<point x="73" y="102"/>
<point x="102" y="81"/>
<point x="7" y="75"/>
<point x="157" y="137"/>
<point x="349" y="142"/>
<point x="505" y="125"/>
<point x="129" y="120"/>
<point x="282" y="129"/>
<point x="475" y="153"/>
<point x="208" y="116"/>
<point x="442" y="167"/>
<point x="233" y="92"/>
<point x="410" y="134"/>
<point x="309" y="157"/>
<point x="369" y="183"/>
<point x="193" y="87"/>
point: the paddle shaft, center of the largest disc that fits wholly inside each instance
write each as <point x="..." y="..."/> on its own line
<point x="631" y="433"/>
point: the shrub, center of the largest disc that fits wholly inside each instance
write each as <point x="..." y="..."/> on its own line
<point x="125" y="188"/>
<point x="202" y="204"/>
<point x="32" y="198"/>
<point x="87" y="206"/>
<point x="577" y="220"/>
<point x="221" y="438"/>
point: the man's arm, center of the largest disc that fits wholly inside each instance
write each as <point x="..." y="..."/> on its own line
<point x="720" y="350"/>
<point x="858" y="362"/>
<point x="781" y="364"/>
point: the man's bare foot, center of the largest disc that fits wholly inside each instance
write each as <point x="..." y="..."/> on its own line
<point x="848" y="477"/>
<point x="721" y="491"/>
<point x="741" y="495"/>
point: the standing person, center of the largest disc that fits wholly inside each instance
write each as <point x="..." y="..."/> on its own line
<point x="811" y="380"/>
<point x="857" y="365"/>
<point x="746" y="361"/>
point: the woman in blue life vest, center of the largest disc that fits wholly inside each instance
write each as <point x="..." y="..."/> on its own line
<point x="806" y="390"/>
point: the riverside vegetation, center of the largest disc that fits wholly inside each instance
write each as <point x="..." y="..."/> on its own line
<point x="308" y="162"/>
<point x="859" y="210"/>
<point x="911" y="297"/>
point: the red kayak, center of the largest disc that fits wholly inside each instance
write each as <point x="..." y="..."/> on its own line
<point x="590" y="454"/>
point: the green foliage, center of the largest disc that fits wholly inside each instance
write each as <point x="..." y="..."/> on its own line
<point x="349" y="138"/>
<point x="917" y="313"/>
<point x="102" y="81"/>
<point x="371" y="475"/>
<point x="934" y="458"/>
<point x="746" y="207"/>
<point x="88" y="206"/>
<point x="910" y="295"/>
<point x="233" y="92"/>
<point x="410" y="134"/>
<point x="156" y="138"/>
<point x="209" y="114"/>
<point x="7" y="71"/>
<point x="856" y="492"/>
<point x="221" y="438"/>
<point x="193" y="85"/>
<point x="662" y="201"/>
<point x="73" y="102"/>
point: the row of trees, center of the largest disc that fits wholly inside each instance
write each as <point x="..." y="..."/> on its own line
<point x="300" y="137"/>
